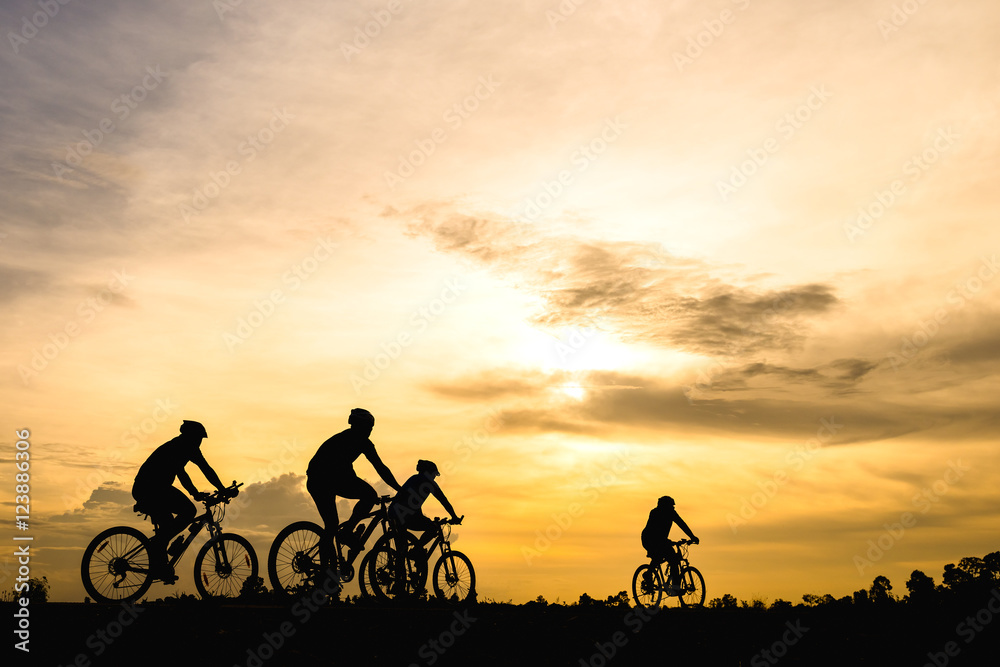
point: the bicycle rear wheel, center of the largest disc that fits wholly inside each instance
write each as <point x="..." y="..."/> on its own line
<point x="454" y="579"/>
<point x="392" y="576"/>
<point x="647" y="586"/>
<point x="293" y="562"/>
<point x="694" y="588"/>
<point x="223" y="565"/>
<point x="115" y="566"/>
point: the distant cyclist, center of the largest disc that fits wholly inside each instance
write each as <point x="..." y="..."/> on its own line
<point x="331" y="474"/>
<point x="405" y="507"/>
<point x="656" y="539"/>
<point x="166" y="505"/>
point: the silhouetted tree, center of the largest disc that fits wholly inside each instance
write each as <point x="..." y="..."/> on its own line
<point x="921" y="589"/>
<point x="780" y="605"/>
<point x="955" y="578"/>
<point x="860" y="598"/>
<point x="727" y="601"/>
<point x="620" y="600"/>
<point x="586" y="601"/>
<point x="881" y="591"/>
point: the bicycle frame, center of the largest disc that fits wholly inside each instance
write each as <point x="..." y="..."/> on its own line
<point x="379" y="517"/>
<point x="208" y="519"/>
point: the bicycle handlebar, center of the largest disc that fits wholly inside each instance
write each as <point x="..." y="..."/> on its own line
<point x="223" y="495"/>
<point x="454" y="522"/>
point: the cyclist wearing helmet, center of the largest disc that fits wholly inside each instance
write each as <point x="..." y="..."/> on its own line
<point x="156" y="495"/>
<point x="405" y="507"/>
<point x="331" y="474"/>
<point x="655" y="537"/>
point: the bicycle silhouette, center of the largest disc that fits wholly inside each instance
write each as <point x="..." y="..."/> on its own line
<point x="649" y="583"/>
<point x="294" y="564"/>
<point x="391" y="576"/>
<point x="116" y="563"/>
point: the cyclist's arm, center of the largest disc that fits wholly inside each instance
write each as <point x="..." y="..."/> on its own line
<point x="213" y="479"/>
<point x="381" y="468"/>
<point x="439" y="494"/>
<point x="683" y="526"/>
<point x="186" y="482"/>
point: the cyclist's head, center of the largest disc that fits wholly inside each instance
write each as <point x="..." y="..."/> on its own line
<point x="193" y="429"/>
<point x="665" y="501"/>
<point x="427" y="467"/>
<point x="360" y="418"/>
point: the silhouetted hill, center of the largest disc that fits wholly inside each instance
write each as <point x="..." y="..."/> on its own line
<point x="209" y="633"/>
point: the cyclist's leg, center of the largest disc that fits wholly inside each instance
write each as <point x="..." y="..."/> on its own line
<point x="162" y="505"/>
<point x="363" y="492"/>
<point x="420" y="523"/>
<point x="325" y="498"/>
<point x="673" y="558"/>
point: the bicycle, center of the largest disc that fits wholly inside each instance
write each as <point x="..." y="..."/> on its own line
<point x="116" y="563"/>
<point x="649" y="582"/>
<point x="454" y="578"/>
<point x="294" y="564"/>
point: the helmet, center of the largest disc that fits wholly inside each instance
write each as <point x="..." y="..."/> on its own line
<point x="193" y="428"/>
<point x="361" y="417"/>
<point x="427" y="466"/>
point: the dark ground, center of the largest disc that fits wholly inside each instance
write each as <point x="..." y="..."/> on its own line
<point x="191" y="632"/>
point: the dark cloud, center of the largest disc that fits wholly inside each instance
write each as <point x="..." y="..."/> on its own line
<point x="789" y="403"/>
<point x="638" y="290"/>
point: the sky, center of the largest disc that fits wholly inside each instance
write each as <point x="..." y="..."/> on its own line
<point x="579" y="254"/>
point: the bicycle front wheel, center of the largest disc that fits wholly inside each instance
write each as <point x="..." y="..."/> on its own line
<point x="694" y="588"/>
<point x="223" y="565"/>
<point x="454" y="578"/>
<point x="293" y="562"/>
<point x="115" y="566"/>
<point x="647" y="586"/>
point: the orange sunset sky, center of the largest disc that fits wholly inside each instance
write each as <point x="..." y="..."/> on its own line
<point x="580" y="254"/>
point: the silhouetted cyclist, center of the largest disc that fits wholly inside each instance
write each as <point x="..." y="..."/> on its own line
<point x="156" y="495"/>
<point x="656" y="539"/>
<point x="331" y="474"/>
<point x="405" y="507"/>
